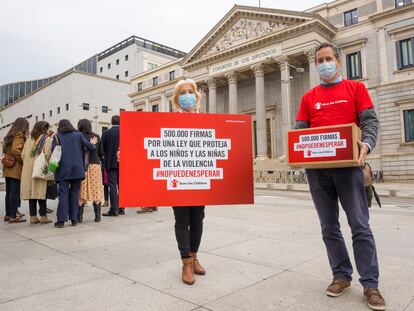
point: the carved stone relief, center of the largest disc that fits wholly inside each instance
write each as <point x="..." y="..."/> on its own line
<point x="245" y="30"/>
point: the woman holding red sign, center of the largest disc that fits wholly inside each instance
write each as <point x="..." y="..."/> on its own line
<point x="188" y="219"/>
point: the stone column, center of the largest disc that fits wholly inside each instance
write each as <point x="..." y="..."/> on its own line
<point x="379" y="6"/>
<point x="383" y="55"/>
<point x="261" y="133"/>
<point x="147" y="105"/>
<point x="203" y="90"/>
<point x="212" y="95"/>
<point x="282" y="61"/>
<point x="232" y="79"/>
<point x="164" y="103"/>
<point x="313" y="72"/>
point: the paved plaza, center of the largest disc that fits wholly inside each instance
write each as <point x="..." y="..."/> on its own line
<point x="266" y="256"/>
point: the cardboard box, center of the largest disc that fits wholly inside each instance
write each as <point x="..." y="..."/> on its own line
<point x="324" y="147"/>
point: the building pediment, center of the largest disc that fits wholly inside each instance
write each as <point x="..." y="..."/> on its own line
<point x="243" y="26"/>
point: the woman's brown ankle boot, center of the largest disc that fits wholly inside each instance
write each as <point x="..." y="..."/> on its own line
<point x="187" y="273"/>
<point x="197" y="267"/>
<point x="34" y="220"/>
<point x="44" y="220"/>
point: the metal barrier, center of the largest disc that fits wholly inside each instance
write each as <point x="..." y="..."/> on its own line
<point x="295" y="176"/>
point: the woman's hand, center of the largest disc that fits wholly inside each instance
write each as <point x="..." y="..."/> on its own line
<point x="93" y="140"/>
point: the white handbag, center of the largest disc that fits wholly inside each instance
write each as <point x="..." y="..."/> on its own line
<point x="40" y="168"/>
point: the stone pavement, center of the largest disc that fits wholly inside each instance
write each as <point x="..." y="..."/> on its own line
<point x="266" y="256"/>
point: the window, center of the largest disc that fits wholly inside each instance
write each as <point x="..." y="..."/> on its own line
<point x="126" y="58"/>
<point x="67" y="107"/>
<point x="101" y="69"/>
<point x="152" y="66"/>
<point x="351" y="17"/>
<point x="353" y="66"/>
<point x="140" y="87"/>
<point x="85" y="106"/>
<point x="408" y="125"/>
<point x="405" y="57"/>
<point x="117" y="77"/>
<point x="400" y="3"/>
<point x="117" y="62"/>
<point x="50" y="113"/>
<point x="58" y="110"/>
<point x="37" y="118"/>
<point x="154" y="108"/>
<point x="155" y="81"/>
<point x="43" y="116"/>
<point x="126" y="73"/>
<point x="172" y="75"/>
<point x="105" y="109"/>
<point x="109" y="66"/>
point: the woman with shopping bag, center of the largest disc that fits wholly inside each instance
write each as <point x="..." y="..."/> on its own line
<point x="70" y="171"/>
<point x="35" y="155"/>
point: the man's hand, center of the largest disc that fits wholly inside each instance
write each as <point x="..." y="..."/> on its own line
<point x="363" y="151"/>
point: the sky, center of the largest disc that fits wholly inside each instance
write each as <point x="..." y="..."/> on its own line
<point x="42" y="38"/>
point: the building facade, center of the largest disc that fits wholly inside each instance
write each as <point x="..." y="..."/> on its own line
<point x="260" y="62"/>
<point x="120" y="61"/>
<point x="132" y="56"/>
<point x="73" y="96"/>
<point x="95" y="89"/>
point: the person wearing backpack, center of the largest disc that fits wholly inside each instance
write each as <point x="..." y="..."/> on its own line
<point x="34" y="189"/>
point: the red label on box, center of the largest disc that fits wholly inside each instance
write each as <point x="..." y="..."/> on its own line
<point x="183" y="159"/>
<point x="321" y="144"/>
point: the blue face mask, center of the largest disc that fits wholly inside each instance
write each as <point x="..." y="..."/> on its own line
<point x="327" y="70"/>
<point x="187" y="101"/>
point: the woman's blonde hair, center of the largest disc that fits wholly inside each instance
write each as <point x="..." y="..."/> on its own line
<point x="175" y="102"/>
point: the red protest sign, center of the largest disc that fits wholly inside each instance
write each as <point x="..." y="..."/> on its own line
<point x="185" y="159"/>
<point x="324" y="147"/>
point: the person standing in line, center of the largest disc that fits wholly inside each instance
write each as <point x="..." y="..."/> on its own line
<point x="91" y="186"/>
<point x="12" y="168"/>
<point x="110" y="144"/>
<point x="188" y="219"/>
<point x="338" y="101"/>
<point x="71" y="170"/>
<point x="34" y="189"/>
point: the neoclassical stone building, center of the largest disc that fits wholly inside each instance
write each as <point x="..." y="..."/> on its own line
<point x="260" y="62"/>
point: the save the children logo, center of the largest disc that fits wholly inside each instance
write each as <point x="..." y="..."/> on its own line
<point x="188" y="157"/>
<point x="320" y="145"/>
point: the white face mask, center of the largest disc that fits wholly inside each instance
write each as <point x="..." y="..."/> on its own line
<point x="327" y="70"/>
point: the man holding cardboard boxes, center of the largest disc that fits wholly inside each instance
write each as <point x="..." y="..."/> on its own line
<point x="338" y="101"/>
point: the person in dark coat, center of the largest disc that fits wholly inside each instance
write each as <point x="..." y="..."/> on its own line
<point x="110" y="144"/>
<point x="91" y="186"/>
<point x="71" y="170"/>
<point x="13" y="147"/>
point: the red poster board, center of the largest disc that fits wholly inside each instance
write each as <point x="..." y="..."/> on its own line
<point x="183" y="159"/>
<point x="324" y="147"/>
